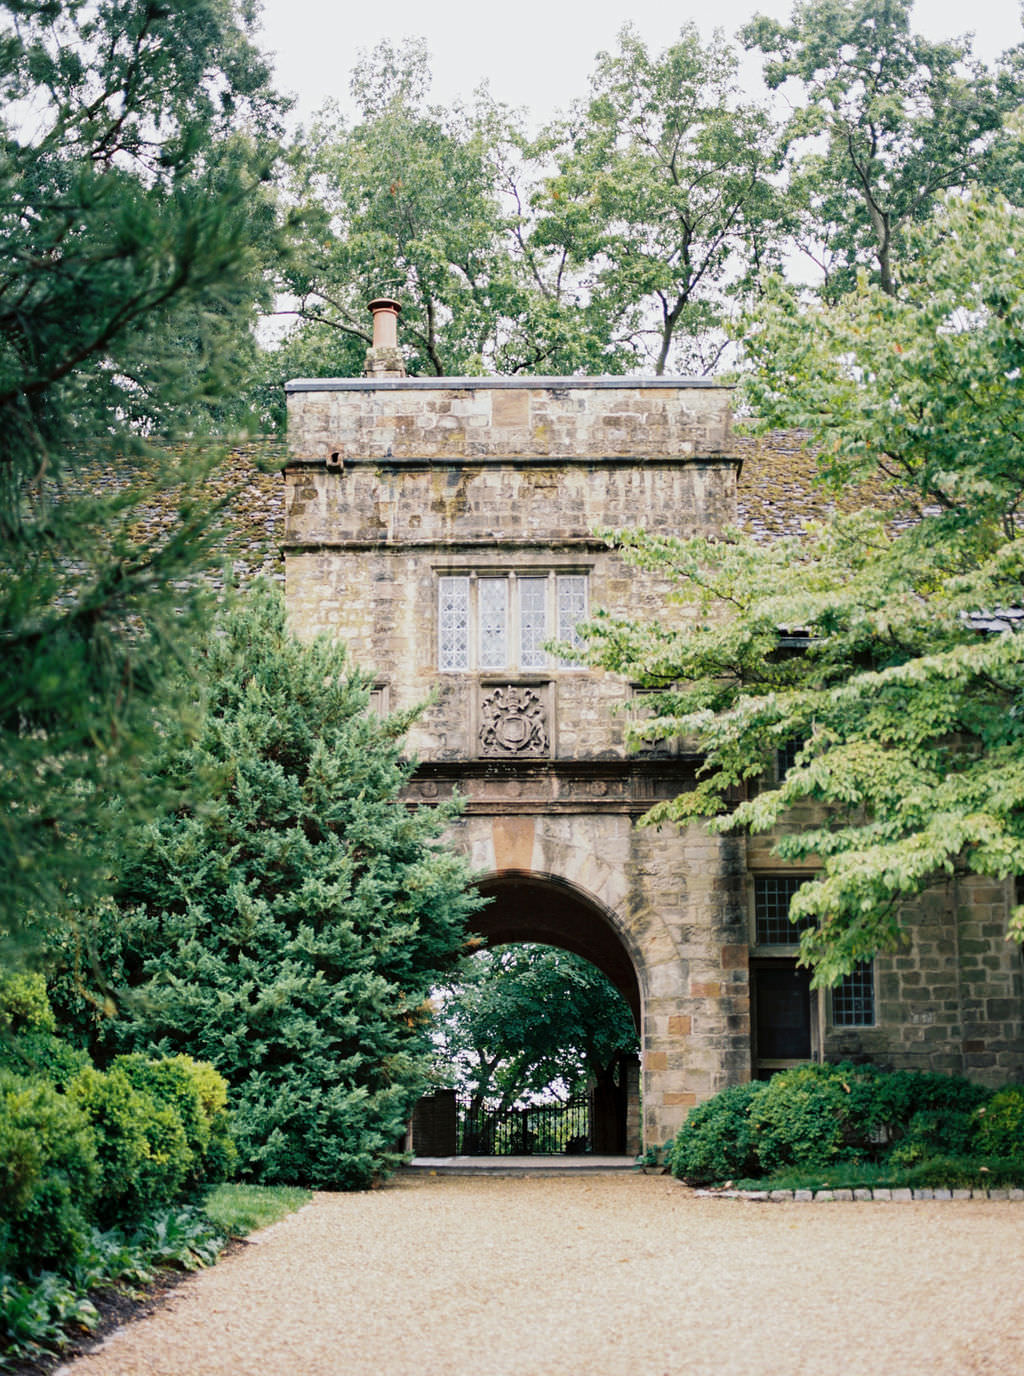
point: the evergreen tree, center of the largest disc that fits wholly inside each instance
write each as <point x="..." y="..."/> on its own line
<point x="135" y="140"/>
<point x="289" y="922"/>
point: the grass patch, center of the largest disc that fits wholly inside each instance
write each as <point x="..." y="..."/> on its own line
<point x="241" y="1209"/>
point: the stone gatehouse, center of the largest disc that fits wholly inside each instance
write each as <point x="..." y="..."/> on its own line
<point x="444" y="528"/>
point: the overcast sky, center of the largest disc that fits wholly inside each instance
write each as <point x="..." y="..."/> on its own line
<point x="535" y="53"/>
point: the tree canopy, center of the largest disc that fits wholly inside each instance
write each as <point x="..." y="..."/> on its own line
<point x="521" y="1024"/>
<point x="891" y="650"/>
<point x="137" y="143"/>
<point x="633" y="229"/>
<point x="883" y="122"/>
<point x="664" y="195"/>
<point x="425" y="203"/>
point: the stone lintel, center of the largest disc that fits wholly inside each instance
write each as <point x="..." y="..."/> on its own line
<point x="500" y="787"/>
<point x="453" y="552"/>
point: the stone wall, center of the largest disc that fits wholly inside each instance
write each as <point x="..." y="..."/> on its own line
<point x="951" y="999"/>
<point x="394" y="484"/>
<point x="675" y="901"/>
<point x="338" y="419"/>
<point x="383" y="603"/>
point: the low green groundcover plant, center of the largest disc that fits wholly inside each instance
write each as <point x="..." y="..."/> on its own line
<point x="938" y="1172"/>
<point x="42" y="1313"/>
<point x="239" y="1209"/>
<point x="841" y="1125"/>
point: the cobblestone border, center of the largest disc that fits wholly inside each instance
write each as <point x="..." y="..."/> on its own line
<point x="829" y="1196"/>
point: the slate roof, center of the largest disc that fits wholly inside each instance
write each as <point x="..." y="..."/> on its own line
<point x="777" y="495"/>
<point x="256" y="510"/>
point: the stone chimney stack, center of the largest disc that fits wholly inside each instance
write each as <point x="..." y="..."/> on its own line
<point x="383" y="358"/>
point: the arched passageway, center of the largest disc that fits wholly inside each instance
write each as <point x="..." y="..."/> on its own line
<point x="542" y="909"/>
<point x="553" y="912"/>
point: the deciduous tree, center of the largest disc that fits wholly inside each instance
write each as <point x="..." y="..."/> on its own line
<point x="522" y="1023"/>
<point x="428" y="204"/>
<point x="664" y="197"/>
<point x="884" y="122"/>
<point x="906" y="694"/>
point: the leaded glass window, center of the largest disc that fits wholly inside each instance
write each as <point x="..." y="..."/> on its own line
<point x="572" y="609"/>
<point x="492" y="598"/>
<point x="533" y="622"/>
<point x="853" y="998"/>
<point x="453" y="623"/>
<point x="785" y="757"/>
<point x="773" y="894"/>
<point x="496" y="621"/>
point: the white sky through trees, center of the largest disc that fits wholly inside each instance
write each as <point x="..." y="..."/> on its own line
<point x="538" y="53"/>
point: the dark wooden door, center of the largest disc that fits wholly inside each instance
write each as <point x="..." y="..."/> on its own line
<point x="782" y="1013"/>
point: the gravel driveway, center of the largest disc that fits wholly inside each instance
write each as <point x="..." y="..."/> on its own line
<point x="624" y="1275"/>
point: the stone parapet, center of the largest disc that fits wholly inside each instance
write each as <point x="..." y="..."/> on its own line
<point x="642" y="419"/>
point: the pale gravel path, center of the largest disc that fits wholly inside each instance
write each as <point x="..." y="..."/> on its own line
<point x="607" y="1276"/>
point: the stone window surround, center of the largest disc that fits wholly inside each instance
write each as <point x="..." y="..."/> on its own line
<point x="784" y="950"/>
<point x="490" y="569"/>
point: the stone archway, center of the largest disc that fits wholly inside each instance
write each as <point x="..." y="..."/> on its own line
<point x="545" y="909"/>
<point x="443" y="527"/>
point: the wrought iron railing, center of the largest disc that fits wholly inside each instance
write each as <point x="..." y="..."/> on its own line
<point x="544" y="1130"/>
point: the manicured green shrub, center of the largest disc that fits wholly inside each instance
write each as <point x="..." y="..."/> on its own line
<point x="48" y="1174"/>
<point x="24" y="1005"/>
<point x="947" y="1133"/>
<point x="220" y="1154"/>
<point x="29" y="1044"/>
<point x="999" y="1124"/>
<point x="43" y="1055"/>
<point x="717" y="1141"/>
<point x="197" y="1094"/>
<point x="932" y="1132"/>
<point x="881" y="1105"/>
<point x="141" y="1147"/>
<point x="800" y="1118"/>
<point x="917" y="1128"/>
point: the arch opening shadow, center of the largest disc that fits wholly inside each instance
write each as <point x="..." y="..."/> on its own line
<point x="528" y="907"/>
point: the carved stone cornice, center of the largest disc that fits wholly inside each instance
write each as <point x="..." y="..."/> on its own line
<point x="498" y="787"/>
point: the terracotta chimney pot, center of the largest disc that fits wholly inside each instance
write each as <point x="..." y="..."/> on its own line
<point x="385" y="322"/>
